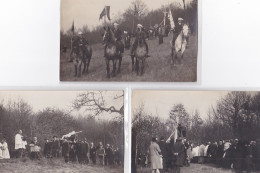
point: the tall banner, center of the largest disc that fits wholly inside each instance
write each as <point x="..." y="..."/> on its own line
<point x="171" y="19"/>
<point x="105" y="12"/>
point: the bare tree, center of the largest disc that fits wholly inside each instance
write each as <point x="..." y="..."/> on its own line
<point x="96" y="103"/>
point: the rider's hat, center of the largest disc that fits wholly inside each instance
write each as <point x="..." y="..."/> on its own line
<point x="139" y="26"/>
<point x="116" y="24"/>
<point x="180" y="19"/>
<point x="80" y="33"/>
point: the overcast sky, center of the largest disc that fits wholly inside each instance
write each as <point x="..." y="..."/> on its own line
<point x="86" y="12"/>
<point x="161" y="102"/>
<point x="40" y="100"/>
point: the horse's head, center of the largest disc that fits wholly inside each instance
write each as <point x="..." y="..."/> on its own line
<point x="106" y="35"/>
<point x="185" y="30"/>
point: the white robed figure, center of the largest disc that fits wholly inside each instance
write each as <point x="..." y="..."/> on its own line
<point x="1" y="150"/>
<point x="18" y="140"/>
<point x="5" y="150"/>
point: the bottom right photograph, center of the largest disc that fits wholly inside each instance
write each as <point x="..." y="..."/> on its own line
<point x="195" y="131"/>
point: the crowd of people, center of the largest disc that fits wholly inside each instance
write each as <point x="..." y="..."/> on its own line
<point x="234" y="154"/>
<point x="71" y="149"/>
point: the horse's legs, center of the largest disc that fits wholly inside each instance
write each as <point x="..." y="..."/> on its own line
<point x="137" y="66"/>
<point x="75" y="67"/>
<point x="84" y="65"/>
<point x="79" y="68"/>
<point x="119" y="63"/>
<point x="108" y="70"/>
<point x="88" y="63"/>
<point x="114" y="67"/>
<point x="142" y="67"/>
<point x="133" y="63"/>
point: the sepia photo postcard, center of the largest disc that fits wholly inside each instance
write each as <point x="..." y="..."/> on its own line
<point x="195" y="131"/>
<point x="62" y="131"/>
<point x="129" y="40"/>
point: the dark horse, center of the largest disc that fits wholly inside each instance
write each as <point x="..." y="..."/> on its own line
<point x="83" y="55"/>
<point x="113" y="51"/>
<point x="140" y="53"/>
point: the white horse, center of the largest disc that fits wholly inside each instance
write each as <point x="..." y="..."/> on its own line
<point x="177" y="50"/>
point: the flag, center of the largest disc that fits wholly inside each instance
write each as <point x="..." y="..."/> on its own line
<point x="108" y="12"/>
<point x="105" y="12"/>
<point x="171" y="19"/>
<point x="72" y="27"/>
<point x="135" y="11"/>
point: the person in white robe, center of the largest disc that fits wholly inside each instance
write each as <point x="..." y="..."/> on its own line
<point x="5" y="151"/>
<point x="18" y="144"/>
<point x="1" y="150"/>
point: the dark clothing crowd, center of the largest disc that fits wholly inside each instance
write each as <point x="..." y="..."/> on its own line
<point x="73" y="150"/>
<point x="235" y="154"/>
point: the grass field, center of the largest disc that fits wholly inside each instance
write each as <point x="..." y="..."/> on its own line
<point x="158" y="67"/>
<point x="195" y="168"/>
<point x="52" y="166"/>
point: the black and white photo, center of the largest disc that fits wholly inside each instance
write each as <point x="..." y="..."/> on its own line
<point x="62" y="131"/>
<point x="129" y="40"/>
<point x="195" y="131"/>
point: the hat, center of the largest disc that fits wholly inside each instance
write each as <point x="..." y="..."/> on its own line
<point x="139" y="26"/>
<point x="180" y="19"/>
<point x="116" y="24"/>
<point x="79" y="32"/>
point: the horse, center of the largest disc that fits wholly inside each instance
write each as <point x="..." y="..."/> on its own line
<point x="180" y="45"/>
<point x="140" y="53"/>
<point x="82" y="55"/>
<point x="113" y="51"/>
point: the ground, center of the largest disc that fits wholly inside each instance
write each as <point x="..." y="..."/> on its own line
<point x="52" y="166"/>
<point x="196" y="168"/>
<point x="158" y="66"/>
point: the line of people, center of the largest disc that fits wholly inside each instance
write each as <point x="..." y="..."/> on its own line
<point x="230" y="154"/>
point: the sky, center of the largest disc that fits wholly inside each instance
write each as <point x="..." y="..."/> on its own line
<point x="40" y="100"/>
<point x="86" y="12"/>
<point x="161" y="102"/>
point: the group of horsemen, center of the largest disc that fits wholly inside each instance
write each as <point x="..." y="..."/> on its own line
<point x="80" y="42"/>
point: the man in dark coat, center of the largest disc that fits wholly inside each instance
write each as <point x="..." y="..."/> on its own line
<point x="92" y="153"/>
<point x="55" y="147"/>
<point x="162" y="146"/>
<point x="108" y="155"/>
<point x="220" y="153"/>
<point x="178" y="152"/>
<point x="65" y="150"/>
<point x="238" y="154"/>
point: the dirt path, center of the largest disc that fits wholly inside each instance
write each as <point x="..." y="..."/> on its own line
<point x="158" y="67"/>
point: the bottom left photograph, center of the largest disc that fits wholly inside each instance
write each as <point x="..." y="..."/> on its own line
<point x="62" y="131"/>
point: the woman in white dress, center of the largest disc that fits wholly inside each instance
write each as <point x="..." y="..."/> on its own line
<point x="5" y="150"/>
<point x="1" y="150"/>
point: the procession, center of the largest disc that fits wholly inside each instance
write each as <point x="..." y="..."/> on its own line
<point x="193" y="131"/>
<point x="68" y="147"/>
<point x="61" y="133"/>
<point x="127" y="46"/>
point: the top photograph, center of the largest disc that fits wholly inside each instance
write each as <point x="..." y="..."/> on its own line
<point x="129" y="40"/>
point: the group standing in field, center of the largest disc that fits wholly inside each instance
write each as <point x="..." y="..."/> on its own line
<point x="115" y="41"/>
<point x="239" y="155"/>
<point x="70" y="148"/>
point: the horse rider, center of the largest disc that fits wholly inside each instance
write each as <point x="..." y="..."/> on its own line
<point x="77" y="42"/>
<point x="140" y="34"/>
<point x="118" y="36"/>
<point x="177" y="30"/>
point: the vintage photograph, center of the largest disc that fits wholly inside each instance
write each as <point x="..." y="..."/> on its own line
<point x="129" y="40"/>
<point x="195" y="131"/>
<point x="62" y="131"/>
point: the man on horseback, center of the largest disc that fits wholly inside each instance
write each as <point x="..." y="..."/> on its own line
<point x="118" y="36"/>
<point x="177" y="30"/>
<point x="140" y="34"/>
